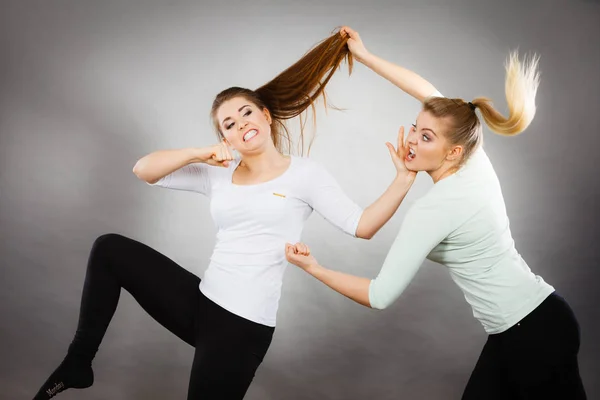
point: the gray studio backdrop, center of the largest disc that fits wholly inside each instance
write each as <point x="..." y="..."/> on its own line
<point x="86" y="88"/>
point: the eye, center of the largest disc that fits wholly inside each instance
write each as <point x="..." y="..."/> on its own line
<point x="414" y="126"/>
<point x="425" y="138"/>
<point x="247" y="113"/>
<point x="228" y="127"/>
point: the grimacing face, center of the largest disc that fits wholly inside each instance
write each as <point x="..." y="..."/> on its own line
<point x="244" y="125"/>
<point x="429" y="149"/>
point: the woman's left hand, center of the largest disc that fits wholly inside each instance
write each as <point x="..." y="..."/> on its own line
<point x="399" y="155"/>
<point x="355" y="44"/>
<point x="299" y="255"/>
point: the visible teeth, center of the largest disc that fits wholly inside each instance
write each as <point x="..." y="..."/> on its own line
<point x="250" y="134"/>
<point x="411" y="151"/>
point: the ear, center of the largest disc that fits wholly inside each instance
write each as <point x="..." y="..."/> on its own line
<point x="455" y="153"/>
<point x="268" y="116"/>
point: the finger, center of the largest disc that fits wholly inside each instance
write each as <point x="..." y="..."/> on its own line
<point x="289" y="252"/>
<point x="224" y="150"/>
<point x="392" y="150"/>
<point x="228" y="149"/>
<point x="215" y="151"/>
<point x="351" y="32"/>
<point x="306" y="250"/>
<point x="401" y="138"/>
<point x="225" y="164"/>
<point x="303" y="249"/>
<point x="228" y="152"/>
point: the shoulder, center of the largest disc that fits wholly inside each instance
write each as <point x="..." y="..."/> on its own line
<point x="477" y="173"/>
<point x="308" y="166"/>
<point x="449" y="199"/>
<point x="305" y="162"/>
<point x="311" y="177"/>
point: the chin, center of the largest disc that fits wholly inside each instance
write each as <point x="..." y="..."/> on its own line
<point x="252" y="147"/>
<point x="413" y="168"/>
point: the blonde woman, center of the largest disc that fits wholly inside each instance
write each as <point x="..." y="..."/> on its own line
<point x="461" y="223"/>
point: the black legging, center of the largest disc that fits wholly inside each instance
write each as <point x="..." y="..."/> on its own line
<point x="534" y="359"/>
<point x="229" y="348"/>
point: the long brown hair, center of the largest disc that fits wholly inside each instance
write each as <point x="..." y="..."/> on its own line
<point x="291" y="92"/>
<point x="521" y="84"/>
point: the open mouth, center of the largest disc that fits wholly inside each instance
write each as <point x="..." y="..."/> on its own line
<point x="250" y="134"/>
<point x="411" y="155"/>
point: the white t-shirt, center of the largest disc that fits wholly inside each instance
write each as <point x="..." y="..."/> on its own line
<point x="462" y="223"/>
<point x="254" y="222"/>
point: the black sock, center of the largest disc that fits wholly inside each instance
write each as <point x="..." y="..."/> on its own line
<point x="73" y="372"/>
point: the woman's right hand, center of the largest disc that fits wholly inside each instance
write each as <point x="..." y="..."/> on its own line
<point x="219" y="155"/>
<point x="355" y="44"/>
<point x="399" y="155"/>
<point x="299" y="255"/>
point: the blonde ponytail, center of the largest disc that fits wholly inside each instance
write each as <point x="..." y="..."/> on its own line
<point x="522" y="81"/>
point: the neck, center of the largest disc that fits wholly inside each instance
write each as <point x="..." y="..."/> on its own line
<point x="264" y="161"/>
<point x="442" y="172"/>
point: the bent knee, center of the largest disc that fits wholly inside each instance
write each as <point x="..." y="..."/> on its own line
<point x="108" y="241"/>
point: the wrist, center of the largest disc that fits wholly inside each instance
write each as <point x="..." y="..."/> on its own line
<point x="405" y="178"/>
<point x="368" y="59"/>
<point x="198" y="154"/>
<point x="314" y="269"/>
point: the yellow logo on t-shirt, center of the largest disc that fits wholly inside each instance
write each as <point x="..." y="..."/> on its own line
<point x="278" y="194"/>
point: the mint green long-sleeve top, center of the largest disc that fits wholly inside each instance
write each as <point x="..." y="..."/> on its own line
<point x="462" y="224"/>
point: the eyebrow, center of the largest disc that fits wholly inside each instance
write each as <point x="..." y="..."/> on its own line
<point x="240" y="109"/>
<point x="427" y="129"/>
<point x="430" y="130"/>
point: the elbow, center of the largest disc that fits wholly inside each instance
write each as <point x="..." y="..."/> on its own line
<point x="377" y="301"/>
<point x="380" y="305"/>
<point x="364" y="234"/>
<point x="137" y="170"/>
<point x="141" y="172"/>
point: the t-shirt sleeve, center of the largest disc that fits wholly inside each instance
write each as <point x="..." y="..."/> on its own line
<point x="423" y="228"/>
<point x="192" y="178"/>
<point x="327" y="198"/>
<point x="436" y="94"/>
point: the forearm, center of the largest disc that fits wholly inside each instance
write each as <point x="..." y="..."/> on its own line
<point x="158" y="164"/>
<point x="407" y="80"/>
<point x="353" y="287"/>
<point x="379" y="213"/>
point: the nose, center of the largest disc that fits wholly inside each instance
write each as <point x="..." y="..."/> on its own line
<point x="412" y="136"/>
<point x="242" y="124"/>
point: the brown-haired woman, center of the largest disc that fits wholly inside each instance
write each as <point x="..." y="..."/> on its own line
<point x="259" y="201"/>
<point x="461" y="223"/>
